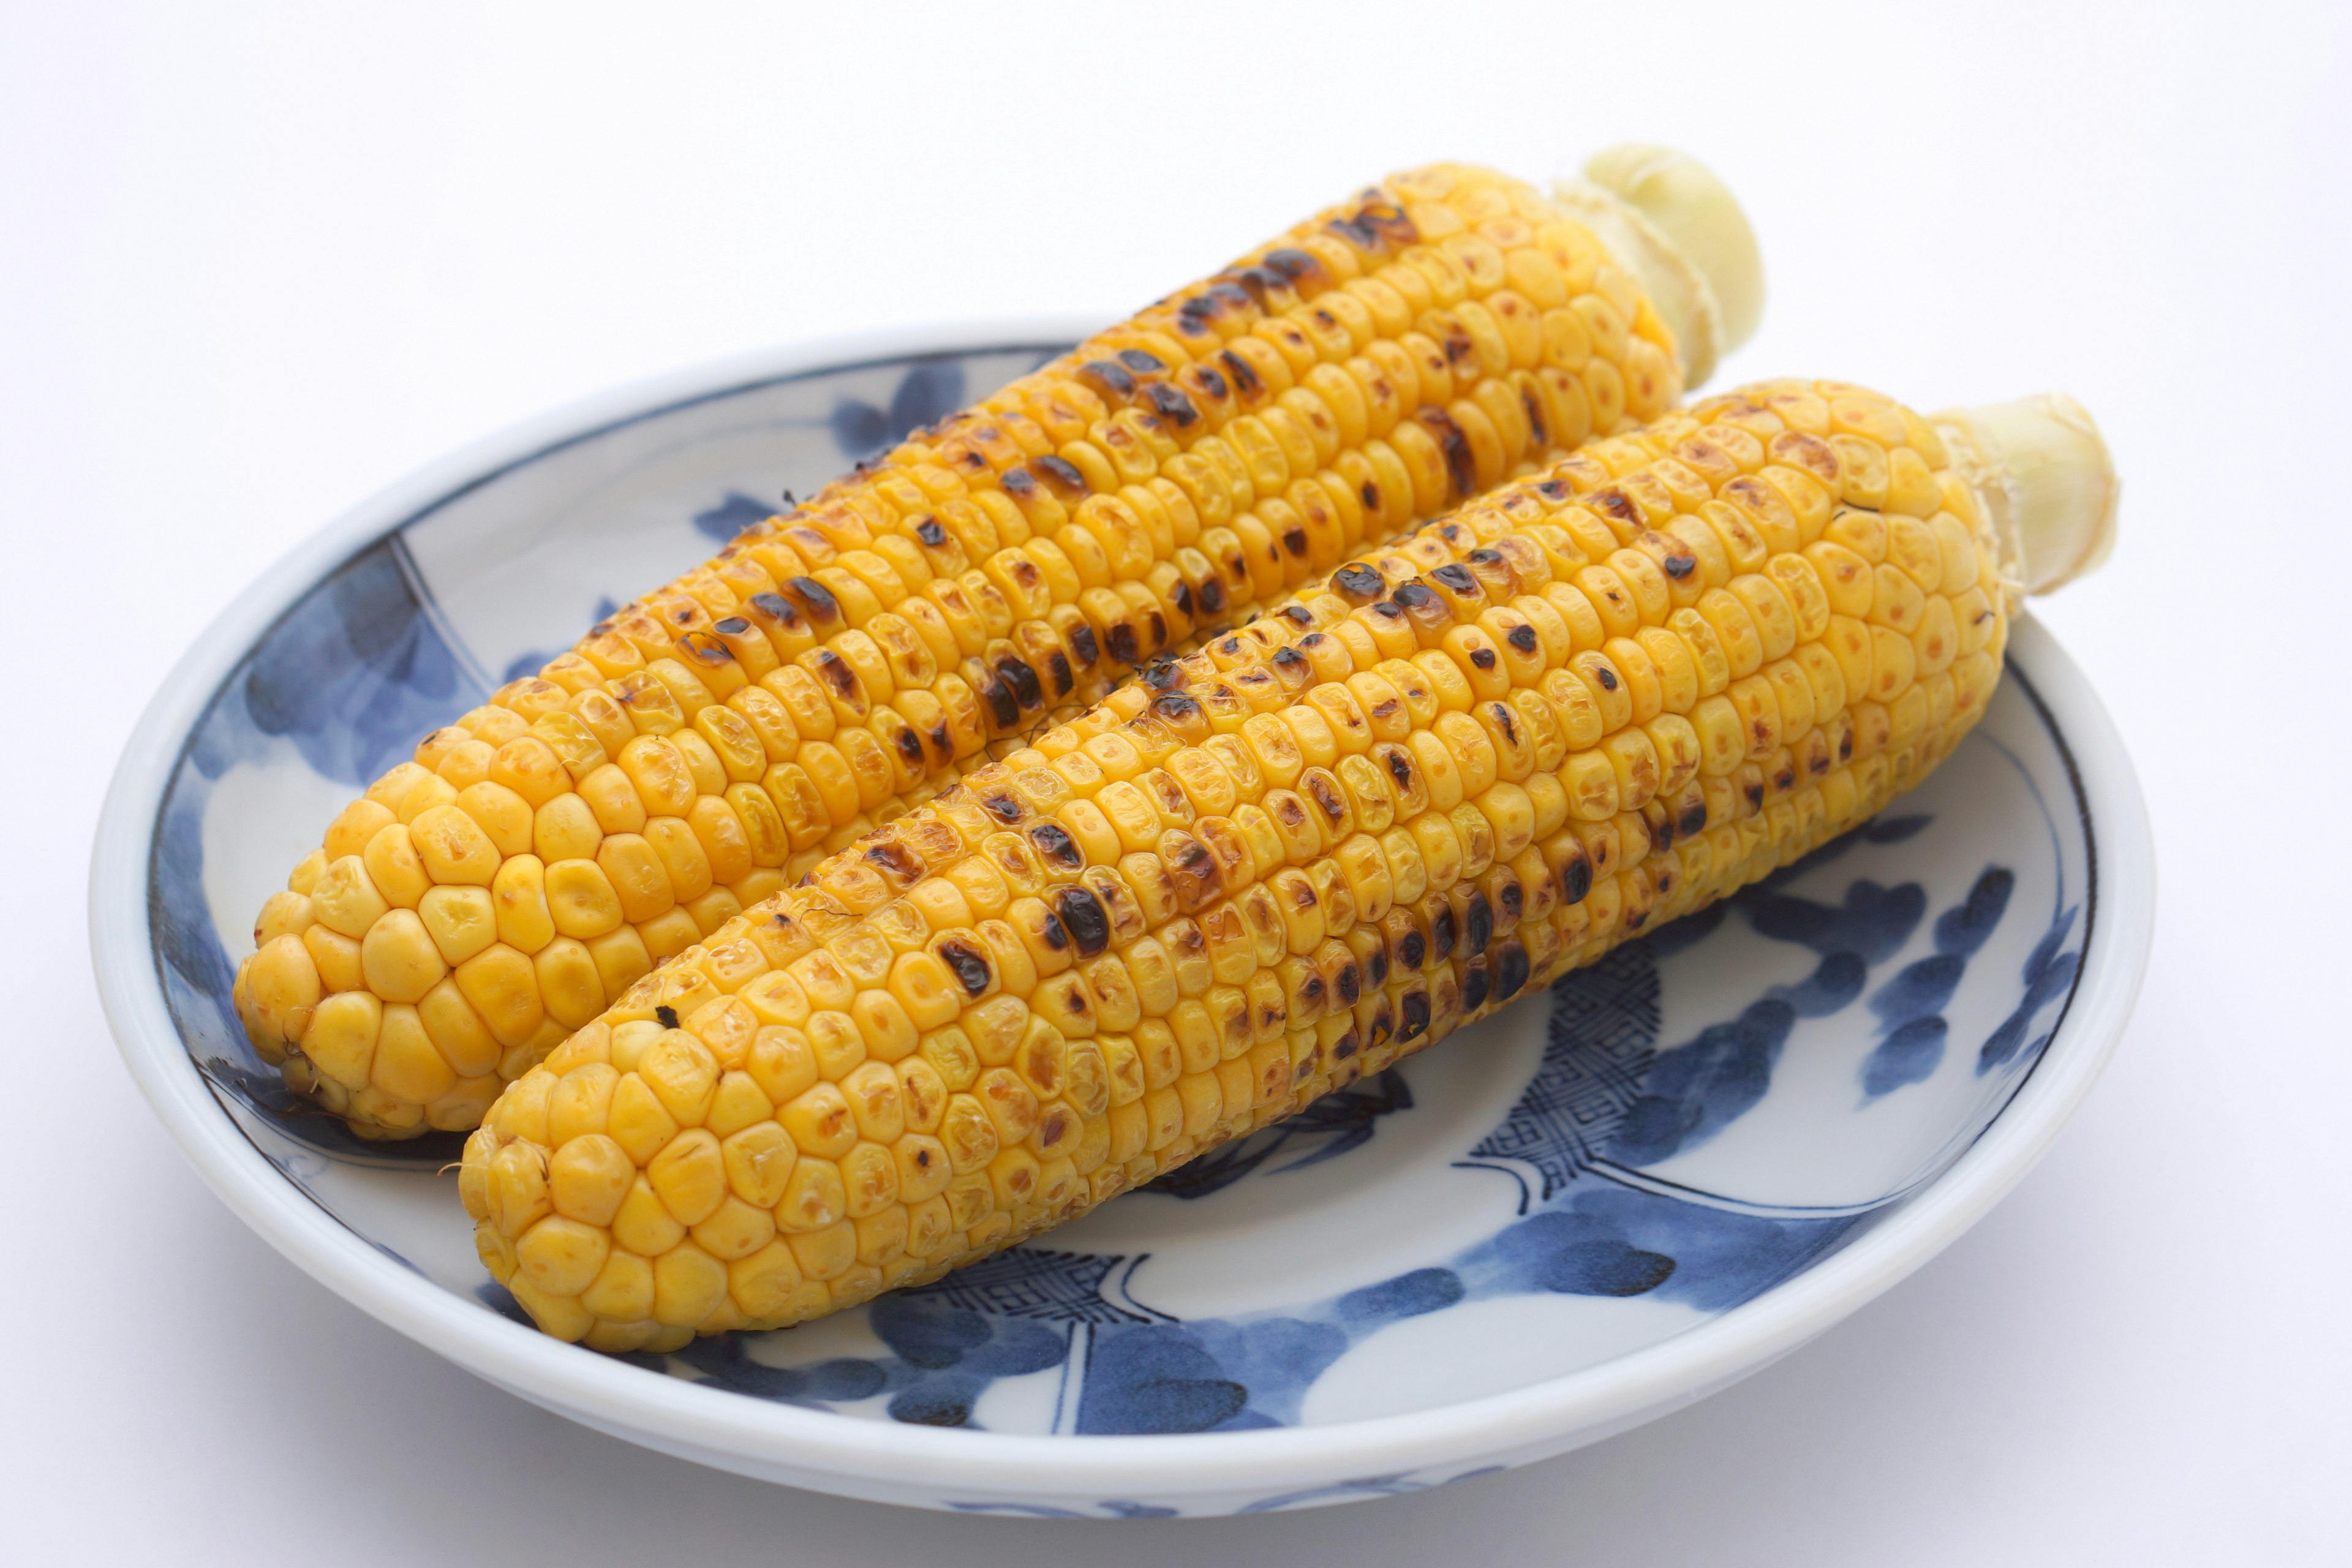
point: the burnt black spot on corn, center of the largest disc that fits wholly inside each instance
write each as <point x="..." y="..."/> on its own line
<point x="1358" y="584"/>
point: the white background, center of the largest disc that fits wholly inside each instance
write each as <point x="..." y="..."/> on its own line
<point x="256" y="262"/>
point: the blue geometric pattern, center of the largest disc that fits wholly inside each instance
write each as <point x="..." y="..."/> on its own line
<point x="1604" y="1021"/>
<point x="1035" y="1282"/>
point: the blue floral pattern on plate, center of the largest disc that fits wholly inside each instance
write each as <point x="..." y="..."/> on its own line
<point x="1670" y="1134"/>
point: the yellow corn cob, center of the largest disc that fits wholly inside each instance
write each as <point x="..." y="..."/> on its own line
<point x="1567" y="713"/>
<point x="834" y="665"/>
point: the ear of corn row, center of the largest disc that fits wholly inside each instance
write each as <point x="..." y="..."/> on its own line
<point x="1404" y="350"/>
<point x="1450" y="772"/>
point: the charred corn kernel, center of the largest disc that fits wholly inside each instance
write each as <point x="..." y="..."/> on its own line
<point x="841" y="661"/>
<point x="1315" y="857"/>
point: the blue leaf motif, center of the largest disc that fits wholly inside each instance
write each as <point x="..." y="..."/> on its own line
<point x="1156" y="1379"/>
<point x="929" y="392"/>
<point x="2049" y="974"/>
<point x="1910" y="1007"/>
<point x="1873" y="921"/>
<point x="1406" y="1296"/>
<point x="1910" y="1054"/>
<point x="730" y="517"/>
<point x="1697" y="1089"/>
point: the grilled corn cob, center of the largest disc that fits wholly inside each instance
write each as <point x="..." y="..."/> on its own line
<point x="1452" y="771"/>
<point x="696" y="751"/>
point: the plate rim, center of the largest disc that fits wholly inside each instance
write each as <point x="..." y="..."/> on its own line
<point x="721" y="1428"/>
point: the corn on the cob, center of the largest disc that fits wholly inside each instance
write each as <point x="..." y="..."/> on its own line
<point x="714" y="740"/>
<point x="1453" y="770"/>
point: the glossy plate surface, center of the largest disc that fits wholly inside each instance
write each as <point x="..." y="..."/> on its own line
<point x="1597" y="1206"/>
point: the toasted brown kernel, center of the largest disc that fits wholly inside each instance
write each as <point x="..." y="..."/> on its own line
<point x="1001" y="708"/>
<point x="1358" y="584"/>
<point x="1058" y="473"/>
<point x="1053" y="843"/>
<point x="834" y="672"/>
<point x="1615" y="503"/>
<point x="1108" y="377"/>
<point x="1169" y="403"/>
<point x="968" y="964"/>
<point x="1510" y="970"/>
<point x="898" y="864"/>
<point x="815" y="600"/>
<point x="1084" y="918"/>
<point x="1444" y="932"/>
<point x="1022" y="679"/>
<point x="1412" y="1015"/>
<point x="1461" y="466"/>
<point x="1246" y="380"/>
<point x="1477" y="923"/>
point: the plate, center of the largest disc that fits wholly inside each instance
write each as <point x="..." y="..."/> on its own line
<point x="1596" y="1207"/>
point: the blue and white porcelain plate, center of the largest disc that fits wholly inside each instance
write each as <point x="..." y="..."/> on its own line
<point x="1605" y="1202"/>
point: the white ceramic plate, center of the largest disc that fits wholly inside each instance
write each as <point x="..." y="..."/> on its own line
<point x="1599" y="1206"/>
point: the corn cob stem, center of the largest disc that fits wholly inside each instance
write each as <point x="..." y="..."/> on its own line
<point x="714" y="740"/>
<point x="2049" y="486"/>
<point x="1450" y="772"/>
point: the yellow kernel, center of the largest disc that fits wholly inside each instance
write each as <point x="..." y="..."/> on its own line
<point x="759" y="1162"/>
<point x="688" y="1284"/>
<point x="405" y="1066"/>
<point x="623" y="1290"/>
<point x="643" y="1225"/>
<point x="763" y="1284"/>
<point x="342" y="1039"/>
<point x="682" y="1073"/>
<point x="689" y="1177"/>
<point x="735" y="1230"/>
<point x="504" y="991"/>
<point x="462" y="921"/>
<point x="516" y="1189"/>
<point x="826" y="1252"/>
<point x="820" y="1122"/>
<point x="337" y="957"/>
<point x="345" y="899"/>
<point x="562" y="1257"/>
<point x="814" y="1196"/>
<point x="454" y="849"/>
